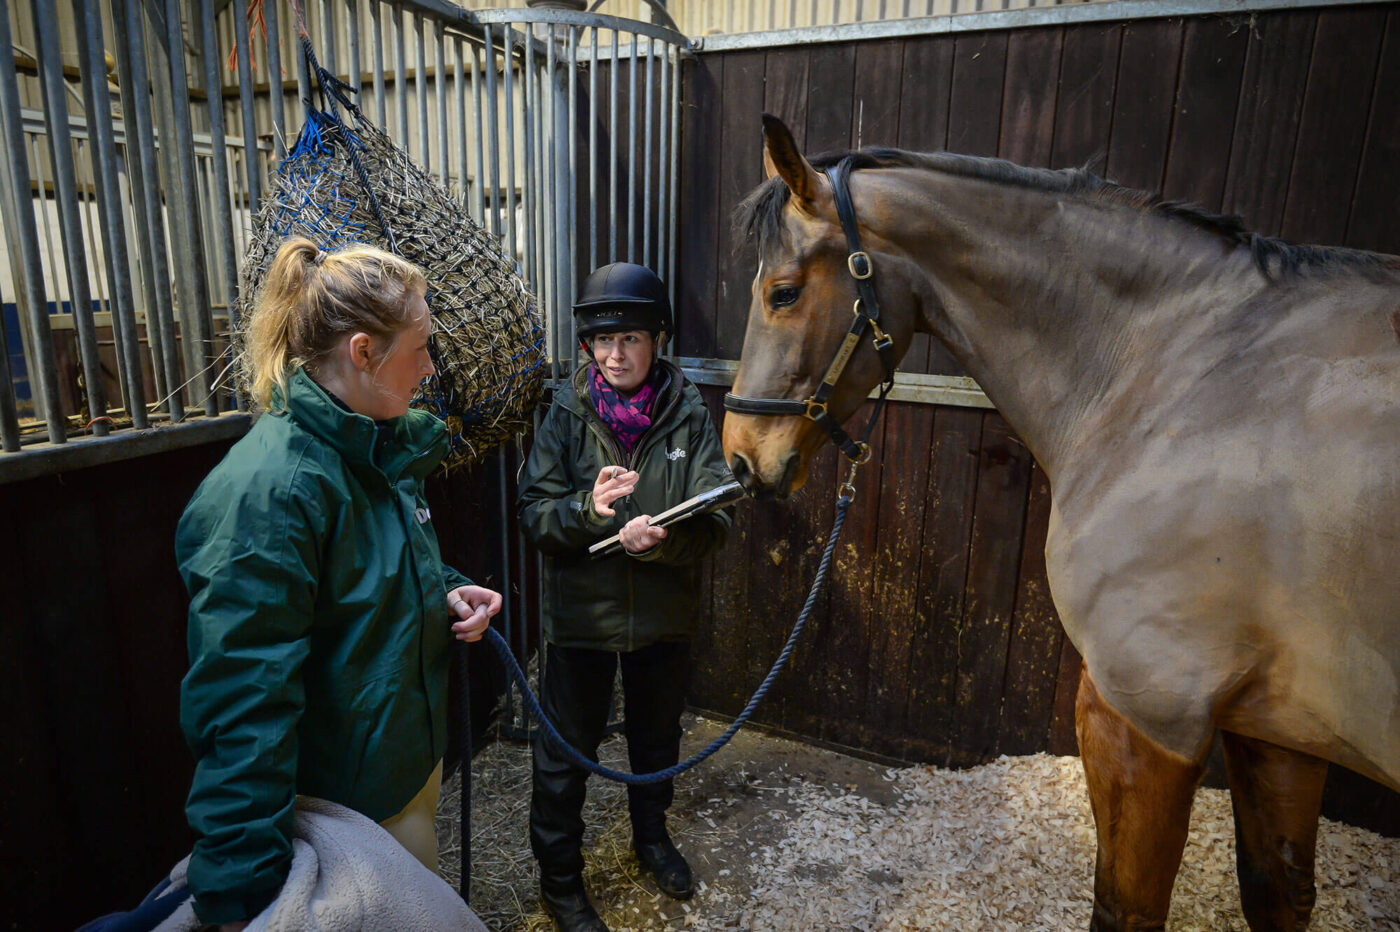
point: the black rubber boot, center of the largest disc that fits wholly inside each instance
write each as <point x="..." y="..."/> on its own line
<point x="567" y="903"/>
<point x="667" y="866"/>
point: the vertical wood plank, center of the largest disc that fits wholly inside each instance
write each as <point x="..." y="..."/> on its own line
<point x="878" y="85"/>
<point x="1062" y="739"/>
<point x="721" y="680"/>
<point x="952" y="478"/>
<point x="1084" y="105"/>
<point x="1372" y="223"/>
<point x="854" y="617"/>
<point x="993" y="563"/>
<point x="785" y="89"/>
<point x="1033" y="659"/>
<point x="741" y="168"/>
<point x="1212" y="63"/>
<point x="1028" y="99"/>
<point x="699" y="219"/>
<point x="1332" y="129"/>
<point x="830" y="85"/>
<point x="979" y="73"/>
<point x="1147" y="71"/>
<point x="897" y="568"/>
<point x="925" y="95"/>
<point x="1266" y="128"/>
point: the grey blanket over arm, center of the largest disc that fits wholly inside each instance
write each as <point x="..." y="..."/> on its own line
<point x="347" y="873"/>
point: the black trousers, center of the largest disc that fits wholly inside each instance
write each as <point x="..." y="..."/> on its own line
<point x="577" y="697"/>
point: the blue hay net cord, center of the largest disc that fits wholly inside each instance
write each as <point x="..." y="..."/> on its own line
<point x="324" y="198"/>
<point x="577" y="758"/>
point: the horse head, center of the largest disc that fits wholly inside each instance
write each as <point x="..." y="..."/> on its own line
<point x="806" y="294"/>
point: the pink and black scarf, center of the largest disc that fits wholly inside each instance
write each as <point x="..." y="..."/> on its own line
<point x="628" y="418"/>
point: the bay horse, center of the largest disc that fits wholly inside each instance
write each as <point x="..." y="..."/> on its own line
<point x="1218" y="414"/>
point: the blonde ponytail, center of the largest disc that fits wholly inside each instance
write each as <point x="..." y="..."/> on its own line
<point x="311" y="300"/>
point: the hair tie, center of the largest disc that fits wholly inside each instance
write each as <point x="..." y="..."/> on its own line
<point x="320" y="259"/>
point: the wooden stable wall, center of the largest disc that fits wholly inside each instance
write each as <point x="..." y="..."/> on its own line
<point x="938" y="640"/>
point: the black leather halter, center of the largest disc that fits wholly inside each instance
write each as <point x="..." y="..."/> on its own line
<point x="867" y="317"/>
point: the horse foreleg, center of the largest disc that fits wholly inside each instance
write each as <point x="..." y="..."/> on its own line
<point x="1276" y="794"/>
<point x="1141" y="797"/>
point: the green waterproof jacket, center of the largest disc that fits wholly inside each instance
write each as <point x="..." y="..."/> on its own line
<point x="621" y="602"/>
<point x="318" y="635"/>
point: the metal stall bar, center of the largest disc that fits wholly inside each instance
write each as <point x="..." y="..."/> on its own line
<point x="571" y="199"/>
<point x="18" y="205"/>
<point x="440" y="94"/>
<point x="222" y="229"/>
<point x="612" y="151"/>
<point x="326" y="47"/>
<point x="177" y="143"/>
<point x="376" y="20"/>
<point x="669" y="218"/>
<point x="104" y="151"/>
<point x="662" y="127"/>
<point x="139" y="124"/>
<point x="460" y="93"/>
<point x="550" y="228"/>
<point x="352" y="48"/>
<point x="493" y="128"/>
<point x="544" y="162"/>
<point x="65" y="181"/>
<point x="480" y="199"/>
<point x="646" y="158"/>
<point x="276" y="93"/>
<point x="508" y="71"/>
<point x="251" y="160"/>
<point x="400" y="75"/>
<point x="527" y="86"/>
<point x="420" y="89"/>
<point x="631" y="149"/>
<point x="593" y="151"/>
<point x="303" y="75"/>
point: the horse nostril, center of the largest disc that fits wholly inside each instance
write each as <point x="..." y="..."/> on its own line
<point x="790" y="467"/>
<point x="742" y="473"/>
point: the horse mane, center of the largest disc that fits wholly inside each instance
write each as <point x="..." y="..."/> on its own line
<point x="760" y="213"/>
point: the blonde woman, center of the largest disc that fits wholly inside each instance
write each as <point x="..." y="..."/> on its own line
<point x="320" y="611"/>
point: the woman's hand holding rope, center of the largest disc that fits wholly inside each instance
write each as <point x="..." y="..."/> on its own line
<point x="473" y="606"/>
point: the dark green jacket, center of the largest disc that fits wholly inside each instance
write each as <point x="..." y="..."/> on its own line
<point x="621" y="602"/>
<point x="318" y="636"/>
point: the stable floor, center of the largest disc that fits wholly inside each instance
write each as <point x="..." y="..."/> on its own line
<point x="785" y="837"/>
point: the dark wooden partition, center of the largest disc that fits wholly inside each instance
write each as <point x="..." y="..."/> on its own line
<point x="938" y="640"/>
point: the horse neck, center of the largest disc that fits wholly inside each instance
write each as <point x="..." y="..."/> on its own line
<point x="1050" y="301"/>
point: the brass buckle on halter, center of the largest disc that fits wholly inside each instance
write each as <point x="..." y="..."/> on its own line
<point x="860" y="258"/>
<point x="815" y="409"/>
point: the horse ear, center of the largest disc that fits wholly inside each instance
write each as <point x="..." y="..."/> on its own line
<point x="781" y="157"/>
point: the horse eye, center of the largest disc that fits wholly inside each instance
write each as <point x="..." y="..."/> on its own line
<point x="785" y="296"/>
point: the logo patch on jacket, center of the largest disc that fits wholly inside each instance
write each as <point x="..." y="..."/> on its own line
<point x="423" y="515"/>
<point x="675" y="455"/>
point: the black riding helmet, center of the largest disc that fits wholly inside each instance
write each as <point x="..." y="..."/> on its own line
<point x="622" y="296"/>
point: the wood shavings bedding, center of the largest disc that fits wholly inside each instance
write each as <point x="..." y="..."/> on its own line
<point x="789" y="838"/>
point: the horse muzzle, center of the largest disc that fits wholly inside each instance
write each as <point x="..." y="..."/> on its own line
<point x="761" y="461"/>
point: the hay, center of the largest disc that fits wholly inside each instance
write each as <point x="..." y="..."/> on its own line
<point x="786" y="838"/>
<point x="488" y="337"/>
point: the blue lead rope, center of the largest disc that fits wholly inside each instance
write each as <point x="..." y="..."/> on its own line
<point x="576" y="758"/>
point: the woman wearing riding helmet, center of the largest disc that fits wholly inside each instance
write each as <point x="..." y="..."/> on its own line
<point x="626" y="438"/>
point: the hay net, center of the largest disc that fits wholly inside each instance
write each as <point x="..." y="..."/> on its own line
<point x="488" y="337"/>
